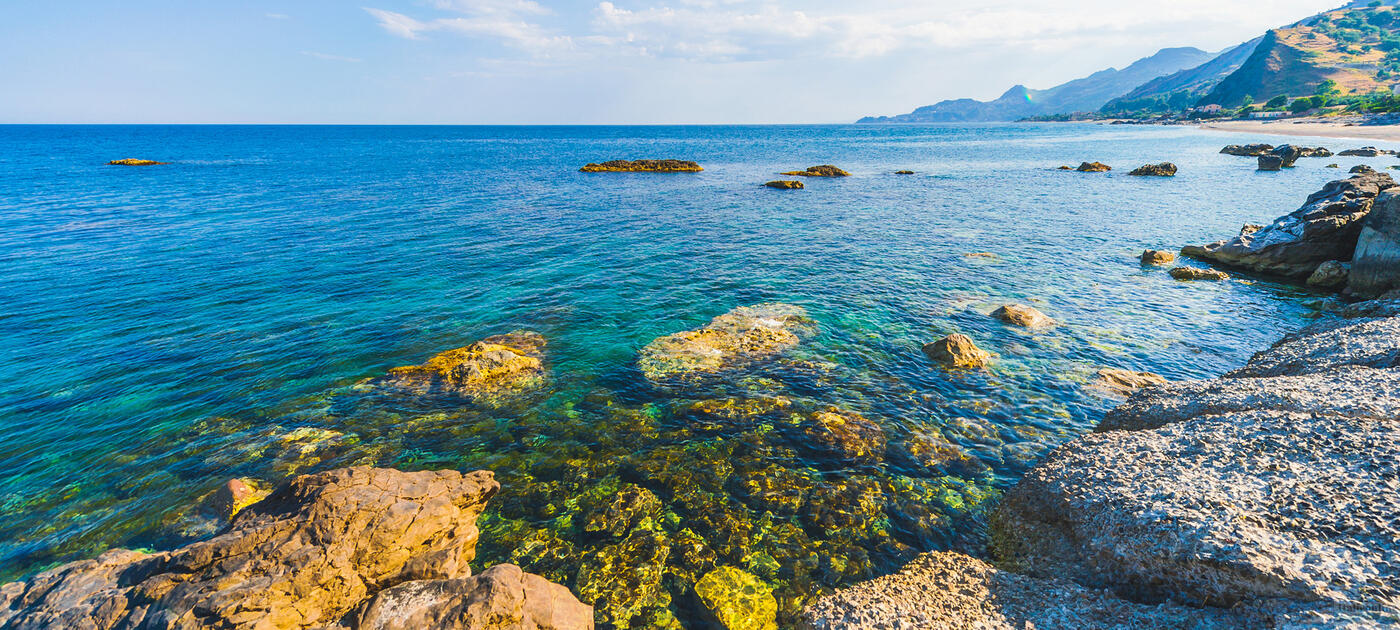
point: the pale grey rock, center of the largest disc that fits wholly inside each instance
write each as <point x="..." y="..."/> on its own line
<point x="1376" y="262"/>
<point x="1326" y="345"/>
<point x="500" y="598"/>
<point x="1330" y="275"/>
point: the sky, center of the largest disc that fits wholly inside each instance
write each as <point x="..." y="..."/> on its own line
<point x="573" y="62"/>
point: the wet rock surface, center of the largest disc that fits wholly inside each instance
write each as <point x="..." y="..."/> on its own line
<point x="732" y="340"/>
<point x="824" y="170"/>
<point x="1124" y="382"/>
<point x="1375" y="264"/>
<point x="134" y="162"/>
<point x="957" y="351"/>
<point x="1023" y="316"/>
<point x="1197" y="273"/>
<point x="1157" y="257"/>
<point x="500" y="598"/>
<point x="1247" y="150"/>
<point x="1165" y="169"/>
<point x="485" y="371"/>
<point x="643" y="166"/>
<point x="310" y="555"/>
<point x="1093" y="167"/>
<point x="1325" y="228"/>
<point x="785" y="184"/>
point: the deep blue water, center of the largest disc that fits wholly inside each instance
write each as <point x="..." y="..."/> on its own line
<point x="165" y="328"/>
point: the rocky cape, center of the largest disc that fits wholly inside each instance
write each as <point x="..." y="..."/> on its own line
<point x="1264" y="498"/>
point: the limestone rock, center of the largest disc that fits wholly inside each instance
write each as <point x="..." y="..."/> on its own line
<point x="824" y="170"/>
<point x="643" y="166"/>
<point x="1197" y="273"/>
<point x="1375" y="264"/>
<point x="957" y="351"/>
<point x="951" y="591"/>
<point x="1369" y="343"/>
<point x="1023" y="316"/>
<point x="1270" y="162"/>
<point x="1157" y="257"/>
<point x="484" y="371"/>
<point x="134" y="162"/>
<point x="1125" y="382"/>
<point x="304" y="557"/>
<point x="1248" y="150"/>
<point x="737" y="600"/>
<point x="1165" y="169"/>
<point x="785" y="184"/>
<point x="500" y="598"/>
<point x="1330" y="275"/>
<point x="730" y="341"/>
<point x="1094" y="167"/>
<point x="1325" y="228"/>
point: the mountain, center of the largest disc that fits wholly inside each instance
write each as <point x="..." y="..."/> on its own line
<point x="1357" y="47"/>
<point x="1086" y="94"/>
<point x="1185" y="87"/>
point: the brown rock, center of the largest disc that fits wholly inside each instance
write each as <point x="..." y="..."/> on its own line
<point x="1094" y="167"/>
<point x="1022" y="315"/>
<point x="1165" y="169"/>
<point x="483" y="371"/>
<point x="311" y="553"/>
<point x="847" y="435"/>
<point x="904" y="172"/>
<point x="957" y="351"/>
<point x="1125" y="382"/>
<point x="730" y="341"/>
<point x="134" y="162"/>
<point x="825" y="170"/>
<point x="643" y="166"/>
<point x="236" y="494"/>
<point x="1196" y="273"/>
<point x="1330" y="275"/>
<point x="500" y="598"/>
<point x="785" y="184"/>
<point x="1157" y="257"/>
<point x="1248" y="150"/>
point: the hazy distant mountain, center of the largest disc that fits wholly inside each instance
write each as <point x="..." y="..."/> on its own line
<point x="1190" y="84"/>
<point x="1080" y="95"/>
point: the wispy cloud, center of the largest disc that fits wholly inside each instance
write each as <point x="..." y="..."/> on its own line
<point x="277" y="16"/>
<point x="328" y="57"/>
<point x="501" y="20"/>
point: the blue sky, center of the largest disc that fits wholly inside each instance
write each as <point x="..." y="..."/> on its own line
<point x="617" y="61"/>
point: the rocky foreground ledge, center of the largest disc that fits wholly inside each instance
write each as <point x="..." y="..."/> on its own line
<point x="356" y="548"/>
<point x="1269" y="497"/>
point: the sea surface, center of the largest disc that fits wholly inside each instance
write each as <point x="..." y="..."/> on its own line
<point x="165" y="328"/>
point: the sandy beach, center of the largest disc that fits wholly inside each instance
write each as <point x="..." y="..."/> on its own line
<point x="1315" y="127"/>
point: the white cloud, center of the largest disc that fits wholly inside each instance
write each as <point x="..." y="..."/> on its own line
<point x="398" y="23"/>
<point x="277" y="16"/>
<point x="496" y="19"/>
<point x="328" y="57"/>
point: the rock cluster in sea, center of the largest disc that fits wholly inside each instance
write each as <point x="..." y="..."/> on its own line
<point x="643" y="166"/>
<point x="1265" y="498"/>
<point x="824" y="170"/>
<point x="1164" y="169"/>
<point x="483" y="371"/>
<point x="1347" y="221"/>
<point x="362" y="548"/>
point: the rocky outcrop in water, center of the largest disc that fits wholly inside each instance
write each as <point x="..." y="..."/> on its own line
<point x="1157" y="257"/>
<point x="1330" y="275"/>
<point x="1325" y="228"/>
<point x="1125" y="382"/>
<point x="643" y="166"/>
<point x="733" y="340"/>
<point x="1247" y="150"/>
<point x="1375" y="263"/>
<point x="1197" y="273"/>
<point x="1023" y="316"/>
<point x="1165" y="169"/>
<point x="134" y="162"/>
<point x="485" y="371"/>
<point x="1270" y="162"/>
<point x="785" y="184"/>
<point x="1265" y="498"/>
<point x="1314" y="152"/>
<point x="1365" y="152"/>
<point x="824" y="170"/>
<point x="1093" y="167"/>
<point x="316" y="553"/>
<point x="1287" y="154"/>
<point x="957" y="351"/>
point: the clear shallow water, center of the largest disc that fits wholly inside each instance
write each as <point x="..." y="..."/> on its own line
<point x="168" y="327"/>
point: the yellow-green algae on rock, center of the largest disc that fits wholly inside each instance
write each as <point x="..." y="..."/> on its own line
<point x="643" y="166"/>
<point x="743" y="335"/>
<point x="824" y="170"/>
<point x="738" y="600"/>
<point x="484" y="370"/>
<point x="134" y="162"/>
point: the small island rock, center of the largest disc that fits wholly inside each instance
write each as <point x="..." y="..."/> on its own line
<point x="482" y="371"/>
<point x="904" y="172"/>
<point x="785" y="184"/>
<point x="957" y="351"/>
<point x="1165" y="169"/>
<point x="1125" y="382"/>
<point x="1197" y="273"/>
<point x="134" y="162"/>
<point x="824" y="170"/>
<point x="1022" y="315"/>
<point x="1094" y="167"/>
<point x="1247" y="150"/>
<point x="643" y="166"/>
<point x="1157" y="257"/>
<point x="1365" y="152"/>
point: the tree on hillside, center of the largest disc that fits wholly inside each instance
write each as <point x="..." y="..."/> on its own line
<point x="1277" y="102"/>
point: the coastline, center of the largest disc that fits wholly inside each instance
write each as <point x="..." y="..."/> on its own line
<point x="1308" y="127"/>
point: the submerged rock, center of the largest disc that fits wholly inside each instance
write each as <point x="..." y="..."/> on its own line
<point x="1197" y="273"/>
<point x="1165" y="169"/>
<point x="1333" y="166"/>
<point x="785" y="184"/>
<point x="1125" y="382"/>
<point x="483" y="371"/>
<point x="1330" y="275"/>
<point x="1157" y="257"/>
<point x="134" y="162"/>
<point x="824" y="170"/>
<point x="952" y="591"/>
<point x="737" y="600"/>
<point x="957" y="351"/>
<point x="236" y="494"/>
<point x="846" y="435"/>
<point x="1375" y="264"/>
<point x="1325" y="228"/>
<point x="1247" y="150"/>
<point x="1094" y="167"/>
<point x="643" y="166"/>
<point x="730" y="341"/>
<point x="317" y="549"/>
<point x="1023" y="316"/>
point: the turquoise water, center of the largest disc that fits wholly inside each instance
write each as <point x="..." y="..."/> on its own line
<point x="166" y="328"/>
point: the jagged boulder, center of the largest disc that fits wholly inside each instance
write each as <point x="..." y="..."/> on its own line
<point x="1270" y="162"/>
<point x="1330" y="275"/>
<point x="1197" y="273"/>
<point x="316" y="550"/>
<point x="500" y="598"/>
<point x="485" y="371"/>
<point x="1288" y="154"/>
<point x="1094" y="167"/>
<point x="824" y="170"/>
<point x="642" y="166"/>
<point x="1375" y="264"/>
<point x="957" y="351"/>
<point x="730" y="341"/>
<point x="1023" y="316"/>
<point x="1157" y="257"/>
<point x="1314" y="152"/>
<point x="1325" y="228"/>
<point x="1365" y="152"/>
<point x="785" y="184"/>
<point x="1165" y="169"/>
<point x="1247" y="150"/>
<point x="1361" y="168"/>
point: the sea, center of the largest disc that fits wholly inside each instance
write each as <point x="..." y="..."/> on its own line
<point x="167" y="328"/>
